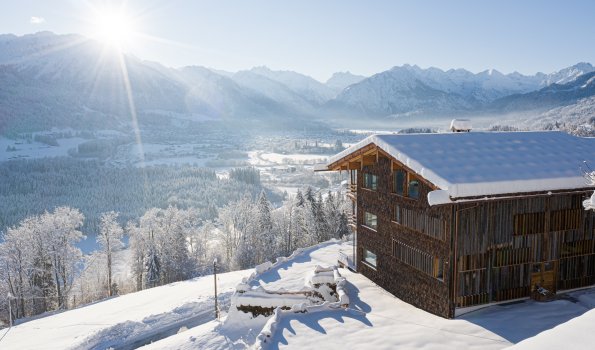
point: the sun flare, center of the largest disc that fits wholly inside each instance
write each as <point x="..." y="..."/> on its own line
<point x="114" y="28"/>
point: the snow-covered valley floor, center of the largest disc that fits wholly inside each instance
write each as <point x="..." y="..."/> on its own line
<point x="375" y="319"/>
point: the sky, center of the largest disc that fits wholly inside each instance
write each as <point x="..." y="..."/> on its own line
<point x="320" y="37"/>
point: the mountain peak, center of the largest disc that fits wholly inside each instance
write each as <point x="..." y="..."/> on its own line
<point x="341" y="80"/>
<point x="586" y="66"/>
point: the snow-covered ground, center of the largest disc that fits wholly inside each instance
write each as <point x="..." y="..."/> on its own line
<point x="261" y="158"/>
<point x="375" y="319"/>
<point x="574" y="334"/>
<point x="24" y="150"/>
<point x="124" y="320"/>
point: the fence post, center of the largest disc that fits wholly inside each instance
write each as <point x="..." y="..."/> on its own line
<point x="215" y="281"/>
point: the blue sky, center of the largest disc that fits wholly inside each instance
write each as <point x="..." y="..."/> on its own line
<point x="319" y="37"/>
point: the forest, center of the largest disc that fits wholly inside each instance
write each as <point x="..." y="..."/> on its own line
<point x="170" y="238"/>
<point x="30" y="187"/>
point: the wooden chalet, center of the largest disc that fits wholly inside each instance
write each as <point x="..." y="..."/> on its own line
<point x="456" y="220"/>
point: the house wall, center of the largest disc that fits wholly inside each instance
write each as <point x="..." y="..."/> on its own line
<point x="499" y="243"/>
<point x="401" y="279"/>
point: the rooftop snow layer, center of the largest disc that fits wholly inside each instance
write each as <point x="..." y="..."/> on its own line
<point x="490" y="163"/>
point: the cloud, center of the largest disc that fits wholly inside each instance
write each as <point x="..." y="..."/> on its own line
<point x="36" y="20"/>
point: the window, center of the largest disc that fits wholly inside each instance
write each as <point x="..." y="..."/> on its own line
<point x="399" y="177"/>
<point x="397" y="215"/>
<point x="370" y="181"/>
<point x="413" y="189"/>
<point x="371" y="220"/>
<point x="370" y="258"/>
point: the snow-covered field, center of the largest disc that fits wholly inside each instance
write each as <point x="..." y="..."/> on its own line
<point x="375" y="319"/>
<point x="34" y="149"/>
<point x="261" y="158"/>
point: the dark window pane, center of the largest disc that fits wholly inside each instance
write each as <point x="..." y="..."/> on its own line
<point x="413" y="189"/>
<point x="399" y="182"/>
<point x="370" y="181"/>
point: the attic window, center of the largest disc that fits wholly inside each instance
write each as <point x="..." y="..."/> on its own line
<point x="413" y="189"/>
<point x="399" y="177"/>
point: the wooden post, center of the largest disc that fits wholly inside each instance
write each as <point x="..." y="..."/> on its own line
<point x="215" y="280"/>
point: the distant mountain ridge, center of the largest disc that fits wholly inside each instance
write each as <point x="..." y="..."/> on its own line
<point x="410" y="88"/>
<point x="551" y="96"/>
<point x="67" y="80"/>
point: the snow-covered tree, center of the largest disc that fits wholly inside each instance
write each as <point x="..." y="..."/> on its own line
<point x="237" y="224"/>
<point x="199" y="248"/>
<point x="41" y="260"/>
<point x="110" y="241"/>
<point x="163" y="238"/>
<point x="153" y="267"/>
<point x="264" y="235"/>
<point x="61" y="235"/>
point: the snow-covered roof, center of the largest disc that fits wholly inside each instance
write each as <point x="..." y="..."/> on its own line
<point x="460" y="124"/>
<point x="489" y="163"/>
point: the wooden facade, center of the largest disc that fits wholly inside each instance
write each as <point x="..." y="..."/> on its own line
<point x="469" y="252"/>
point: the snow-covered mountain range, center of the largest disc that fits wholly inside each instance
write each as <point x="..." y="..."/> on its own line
<point x="67" y="80"/>
<point x="411" y="88"/>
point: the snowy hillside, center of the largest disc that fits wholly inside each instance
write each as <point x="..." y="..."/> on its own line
<point x="552" y="96"/>
<point x="577" y="118"/>
<point x="124" y="320"/>
<point x="373" y="319"/>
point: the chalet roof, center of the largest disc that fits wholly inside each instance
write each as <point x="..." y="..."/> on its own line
<point x="489" y="163"/>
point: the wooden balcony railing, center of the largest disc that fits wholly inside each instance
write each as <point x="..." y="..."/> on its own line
<point x="352" y="220"/>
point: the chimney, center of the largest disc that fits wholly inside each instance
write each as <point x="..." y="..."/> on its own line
<point x="460" y="125"/>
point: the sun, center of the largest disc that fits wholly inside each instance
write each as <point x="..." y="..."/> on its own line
<point x="114" y="28"/>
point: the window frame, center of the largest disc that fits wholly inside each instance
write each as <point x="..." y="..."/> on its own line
<point x="365" y="223"/>
<point x="368" y="262"/>
<point x="373" y="186"/>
